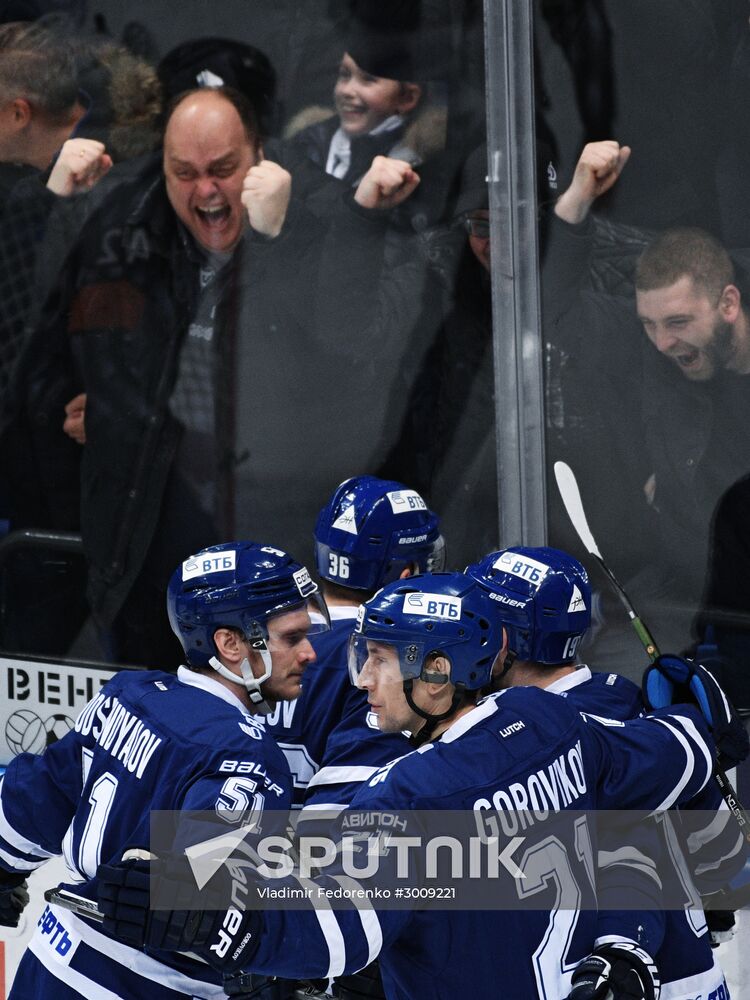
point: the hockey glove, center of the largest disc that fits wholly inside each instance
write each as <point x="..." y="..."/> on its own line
<point x="226" y="939"/>
<point x="13" y="898"/>
<point x="733" y="896"/>
<point x="617" y="971"/>
<point x="720" y="926"/>
<point x="249" y="986"/>
<point x="671" y="680"/>
<point x="363" y="984"/>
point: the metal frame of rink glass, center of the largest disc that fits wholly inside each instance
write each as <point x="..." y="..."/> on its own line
<point x="571" y="498"/>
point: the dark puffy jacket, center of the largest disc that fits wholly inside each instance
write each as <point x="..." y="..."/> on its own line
<point x="113" y="328"/>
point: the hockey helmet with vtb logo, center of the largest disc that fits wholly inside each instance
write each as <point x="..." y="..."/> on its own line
<point x="542" y="597"/>
<point x="240" y="585"/>
<point x="446" y="614"/>
<point x="371" y="530"/>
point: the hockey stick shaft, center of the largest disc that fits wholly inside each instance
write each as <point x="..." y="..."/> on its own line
<point x="72" y="901"/>
<point x="571" y="498"/>
<point x="638" y="624"/>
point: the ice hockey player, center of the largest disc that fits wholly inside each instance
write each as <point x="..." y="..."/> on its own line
<point x="423" y="649"/>
<point x="543" y="599"/>
<point x="370" y="532"/>
<point x="151" y="740"/>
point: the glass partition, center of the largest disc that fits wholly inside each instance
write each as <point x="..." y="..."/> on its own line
<point x="192" y="351"/>
<point x="219" y="307"/>
<point x="645" y="318"/>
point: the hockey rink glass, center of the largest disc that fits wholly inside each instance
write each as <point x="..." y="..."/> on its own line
<point x="399" y="660"/>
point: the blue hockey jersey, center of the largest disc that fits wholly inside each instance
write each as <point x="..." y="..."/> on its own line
<point x="683" y="953"/>
<point x="147" y="741"/>
<point x="512" y="741"/>
<point x="329" y="736"/>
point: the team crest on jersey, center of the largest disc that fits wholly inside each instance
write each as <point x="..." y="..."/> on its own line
<point x="433" y="606"/>
<point x="253" y="731"/>
<point x="577" y="602"/>
<point x="525" y="567"/>
<point x="304" y="582"/>
<point x="209" y="562"/>
<point x="345" y="521"/>
<point x="402" y="501"/>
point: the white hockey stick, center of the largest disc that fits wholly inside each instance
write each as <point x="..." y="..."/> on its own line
<point x="571" y="498"/>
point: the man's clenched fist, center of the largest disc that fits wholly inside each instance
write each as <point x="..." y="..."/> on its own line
<point x="80" y="165"/>
<point x="266" y="191"/>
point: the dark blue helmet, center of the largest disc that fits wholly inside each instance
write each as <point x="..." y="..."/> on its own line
<point x="238" y="585"/>
<point x="444" y="613"/>
<point x="371" y="530"/>
<point x="543" y="599"/>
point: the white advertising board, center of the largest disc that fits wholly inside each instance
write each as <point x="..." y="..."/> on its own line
<point x="39" y="702"/>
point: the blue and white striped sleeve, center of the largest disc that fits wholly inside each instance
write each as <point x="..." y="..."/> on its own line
<point x="655" y="762"/>
<point x="324" y="940"/>
<point x="38" y="799"/>
<point x="18" y="852"/>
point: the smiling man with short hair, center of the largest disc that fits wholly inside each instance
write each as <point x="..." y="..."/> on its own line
<point x="651" y="382"/>
<point x="690" y="305"/>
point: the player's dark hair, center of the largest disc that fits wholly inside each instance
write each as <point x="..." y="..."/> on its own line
<point x="337" y="592"/>
<point x="682" y="252"/>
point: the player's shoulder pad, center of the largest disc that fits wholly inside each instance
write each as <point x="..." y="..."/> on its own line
<point x="182" y="711"/>
<point x="544" y="716"/>
<point x="609" y="695"/>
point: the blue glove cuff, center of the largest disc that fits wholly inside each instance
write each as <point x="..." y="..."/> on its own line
<point x="657" y="688"/>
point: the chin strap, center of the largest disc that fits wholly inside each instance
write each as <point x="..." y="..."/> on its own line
<point x="424" y="734"/>
<point x="248" y="680"/>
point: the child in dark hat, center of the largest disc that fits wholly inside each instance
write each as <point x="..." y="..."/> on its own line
<point x="368" y="106"/>
<point x="375" y="97"/>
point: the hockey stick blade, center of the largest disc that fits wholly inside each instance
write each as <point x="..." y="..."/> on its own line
<point x="72" y="901"/>
<point x="571" y="498"/>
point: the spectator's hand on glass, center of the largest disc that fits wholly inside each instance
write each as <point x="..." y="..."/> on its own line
<point x="386" y="184"/>
<point x="266" y="191"/>
<point x="81" y="164"/>
<point x="74" y="425"/>
<point x="597" y="170"/>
